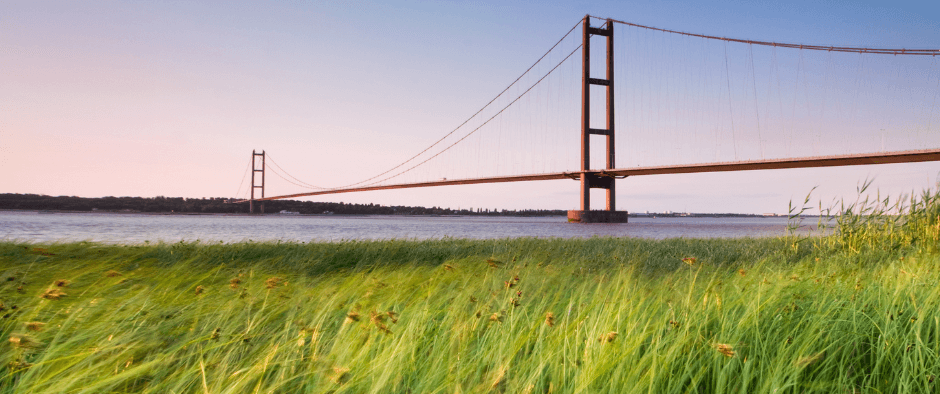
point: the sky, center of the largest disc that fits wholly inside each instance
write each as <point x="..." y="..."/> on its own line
<point x="127" y="98"/>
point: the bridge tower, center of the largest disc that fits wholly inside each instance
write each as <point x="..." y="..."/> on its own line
<point x="594" y="179"/>
<point x="254" y="185"/>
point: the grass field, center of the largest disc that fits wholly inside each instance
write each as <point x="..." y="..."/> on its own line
<point x="857" y="311"/>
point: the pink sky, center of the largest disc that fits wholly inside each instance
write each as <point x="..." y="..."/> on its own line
<point x="138" y="99"/>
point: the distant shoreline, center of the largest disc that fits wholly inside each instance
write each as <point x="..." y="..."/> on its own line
<point x="277" y="214"/>
<point x="219" y="205"/>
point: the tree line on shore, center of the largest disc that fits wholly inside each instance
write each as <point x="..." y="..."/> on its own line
<point x="160" y="204"/>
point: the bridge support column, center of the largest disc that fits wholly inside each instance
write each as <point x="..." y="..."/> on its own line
<point x="597" y="179"/>
<point x="254" y="185"/>
<point x="597" y="216"/>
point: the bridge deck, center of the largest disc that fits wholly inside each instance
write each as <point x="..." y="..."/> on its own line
<point x="910" y="156"/>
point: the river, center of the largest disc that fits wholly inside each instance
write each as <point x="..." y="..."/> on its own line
<point x="35" y="227"/>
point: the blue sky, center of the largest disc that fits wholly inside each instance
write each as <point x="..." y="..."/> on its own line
<point x="169" y="98"/>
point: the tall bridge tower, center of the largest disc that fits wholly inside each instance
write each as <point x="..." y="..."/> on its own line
<point x="254" y="185"/>
<point x="594" y="179"/>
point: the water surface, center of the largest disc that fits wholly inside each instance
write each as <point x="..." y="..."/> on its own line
<point x="31" y="226"/>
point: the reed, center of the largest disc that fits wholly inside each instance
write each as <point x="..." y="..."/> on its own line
<point x="851" y="311"/>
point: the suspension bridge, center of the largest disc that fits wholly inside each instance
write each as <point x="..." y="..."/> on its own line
<point x="686" y="103"/>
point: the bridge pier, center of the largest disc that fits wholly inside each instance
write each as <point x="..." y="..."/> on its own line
<point x="593" y="179"/>
<point x="597" y="216"/>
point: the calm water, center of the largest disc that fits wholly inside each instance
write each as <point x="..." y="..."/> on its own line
<point x="137" y="228"/>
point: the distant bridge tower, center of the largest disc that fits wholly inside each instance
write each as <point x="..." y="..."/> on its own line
<point x="254" y="185"/>
<point x="593" y="178"/>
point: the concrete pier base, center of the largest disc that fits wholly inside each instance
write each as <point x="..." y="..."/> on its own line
<point x="597" y="216"/>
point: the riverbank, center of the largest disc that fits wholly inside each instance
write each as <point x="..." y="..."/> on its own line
<point x="296" y="214"/>
<point x="854" y="311"/>
<point x="162" y="204"/>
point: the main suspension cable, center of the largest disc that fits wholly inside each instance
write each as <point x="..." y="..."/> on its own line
<point x="883" y="51"/>
<point x="478" y="127"/>
<point x="471" y="116"/>
<point x="275" y="172"/>
<point x="302" y="183"/>
<point x="245" y="175"/>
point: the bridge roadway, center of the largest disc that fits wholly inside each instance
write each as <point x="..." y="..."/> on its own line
<point x="909" y="156"/>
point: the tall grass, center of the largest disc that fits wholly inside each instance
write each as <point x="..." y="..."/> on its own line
<point x="854" y="311"/>
<point x="880" y="226"/>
